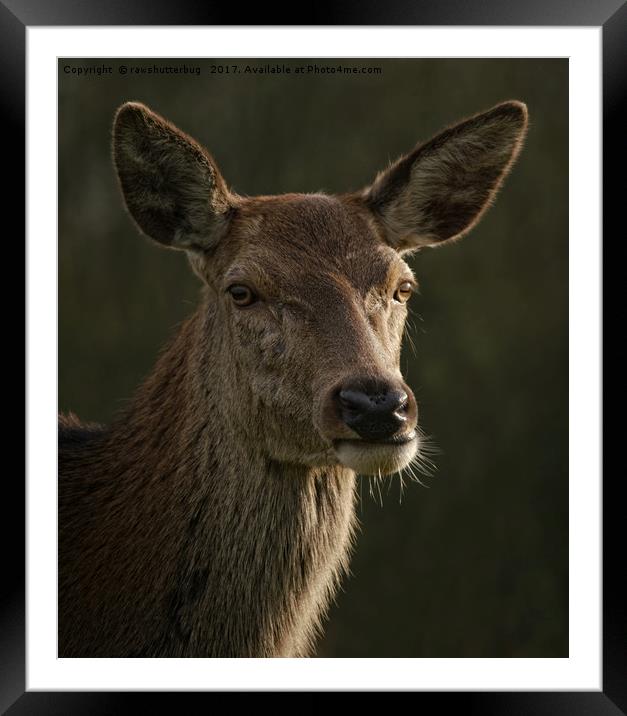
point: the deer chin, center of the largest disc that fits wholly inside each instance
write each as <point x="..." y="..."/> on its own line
<point x="377" y="458"/>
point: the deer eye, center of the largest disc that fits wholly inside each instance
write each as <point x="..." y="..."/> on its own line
<point x="403" y="292"/>
<point x="242" y="295"/>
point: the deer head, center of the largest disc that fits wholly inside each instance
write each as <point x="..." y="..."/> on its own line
<point x="306" y="294"/>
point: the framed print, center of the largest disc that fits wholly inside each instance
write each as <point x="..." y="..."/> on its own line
<point x="482" y="581"/>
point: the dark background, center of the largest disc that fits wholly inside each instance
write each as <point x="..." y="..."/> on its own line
<point x="477" y="564"/>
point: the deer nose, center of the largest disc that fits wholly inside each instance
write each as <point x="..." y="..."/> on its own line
<point x="374" y="412"/>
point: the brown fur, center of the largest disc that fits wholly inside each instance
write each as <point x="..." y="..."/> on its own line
<point x="215" y="516"/>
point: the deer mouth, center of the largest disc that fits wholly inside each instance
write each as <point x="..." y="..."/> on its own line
<point x="377" y="457"/>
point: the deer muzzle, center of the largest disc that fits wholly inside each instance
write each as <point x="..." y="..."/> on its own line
<point x="371" y="422"/>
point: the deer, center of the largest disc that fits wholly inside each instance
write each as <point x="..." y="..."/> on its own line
<point x="215" y="515"/>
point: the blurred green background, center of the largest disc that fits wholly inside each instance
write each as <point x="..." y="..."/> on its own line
<point x="477" y="564"/>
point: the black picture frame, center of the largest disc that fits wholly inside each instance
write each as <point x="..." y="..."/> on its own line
<point x="611" y="15"/>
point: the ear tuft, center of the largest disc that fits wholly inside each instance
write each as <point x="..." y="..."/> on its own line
<point x="440" y="190"/>
<point x="171" y="185"/>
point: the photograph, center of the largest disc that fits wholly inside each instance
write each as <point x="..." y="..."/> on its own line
<point x="313" y="357"/>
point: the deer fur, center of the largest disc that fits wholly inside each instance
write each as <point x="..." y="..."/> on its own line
<point x="215" y="516"/>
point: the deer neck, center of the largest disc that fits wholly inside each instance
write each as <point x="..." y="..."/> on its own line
<point x="262" y="543"/>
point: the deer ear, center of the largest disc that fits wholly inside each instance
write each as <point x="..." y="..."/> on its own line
<point x="441" y="189"/>
<point x="171" y="185"/>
